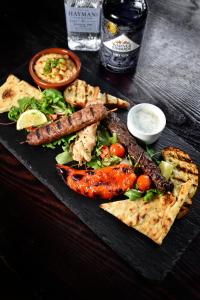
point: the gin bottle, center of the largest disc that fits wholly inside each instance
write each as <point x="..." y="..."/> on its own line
<point x="83" y="24"/>
<point x="123" y="24"/>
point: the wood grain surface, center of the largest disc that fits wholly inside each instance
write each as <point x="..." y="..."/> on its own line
<point x="168" y="76"/>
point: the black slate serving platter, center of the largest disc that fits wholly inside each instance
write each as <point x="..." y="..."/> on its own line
<point x="150" y="260"/>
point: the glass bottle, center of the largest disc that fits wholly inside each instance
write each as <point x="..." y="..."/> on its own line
<point x="83" y="24"/>
<point x="123" y="23"/>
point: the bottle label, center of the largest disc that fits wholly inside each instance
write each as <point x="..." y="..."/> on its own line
<point x="120" y="46"/>
<point x="82" y="19"/>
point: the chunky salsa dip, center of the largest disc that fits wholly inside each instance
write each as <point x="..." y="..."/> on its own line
<point x="54" y="67"/>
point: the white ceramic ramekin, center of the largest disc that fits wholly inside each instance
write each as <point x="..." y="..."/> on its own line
<point x="146" y="122"/>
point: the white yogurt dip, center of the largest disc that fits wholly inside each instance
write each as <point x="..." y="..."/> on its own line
<point x="146" y="122"/>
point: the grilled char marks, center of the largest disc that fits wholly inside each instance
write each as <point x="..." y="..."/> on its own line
<point x="92" y="111"/>
<point x="48" y="129"/>
<point x="115" y="125"/>
<point x="77" y="177"/>
<point x="69" y="120"/>
<point x="103" y="183"/>
<point x="37" y="133"/>
<point x="59" y="124"/>
<point x="184" y="170"/>
<point x="67" y="124"/>
<point x="80" y="94"/>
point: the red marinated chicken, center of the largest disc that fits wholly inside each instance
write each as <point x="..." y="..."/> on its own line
<point x="103" y="183"/>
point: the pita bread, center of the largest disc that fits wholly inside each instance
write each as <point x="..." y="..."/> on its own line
<point x="184" y="170"/>
<point x="80" y="94"/>
<point x="154" y="218"/>
<point x="14" y="89"/>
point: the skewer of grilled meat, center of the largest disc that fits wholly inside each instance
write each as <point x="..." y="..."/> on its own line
<point x="67" y="124"/>
<point x="115" y="125"/>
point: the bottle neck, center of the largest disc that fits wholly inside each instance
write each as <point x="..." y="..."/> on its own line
<point x="125" y="12"/>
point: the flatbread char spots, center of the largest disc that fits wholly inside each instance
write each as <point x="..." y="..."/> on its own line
<point x="155" y="218"/>
<point x="14" y="89"/>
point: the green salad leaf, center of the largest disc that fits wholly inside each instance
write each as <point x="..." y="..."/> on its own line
<point x="150" y="194"/>
<point x="97" y="162"/>
<point x="14" y="113"/>
<point x="65" y="156"/>
<point x="153" y="155"/>
<point x="104" y="137"/>
<point x="133" y="194"/>
<point x="51" y="102"/>
<point x="112" y="160"/>
<point x="64" y="142"/>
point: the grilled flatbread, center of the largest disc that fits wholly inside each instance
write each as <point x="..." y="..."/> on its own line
<point x="79" y="94"/>
<point x="154" y="218"/>
<point x="184" y="170"/>
<point x="14" y="89"/>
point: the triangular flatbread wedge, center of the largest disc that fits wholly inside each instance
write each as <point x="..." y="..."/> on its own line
<point x="153" y="219"/>
<point x="13" y="89"/>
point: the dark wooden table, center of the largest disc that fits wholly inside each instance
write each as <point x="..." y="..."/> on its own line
<point x="49" y="238"/>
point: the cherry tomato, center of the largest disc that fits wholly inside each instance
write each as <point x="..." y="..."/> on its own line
<point x="117" y="150"/>
<point x="104" y="151"/>
<point x="143" y="183"/>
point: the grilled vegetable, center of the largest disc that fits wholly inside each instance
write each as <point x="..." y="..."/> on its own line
<point x="103" y="183"/>
<point x="67" y="124"/>
<point x="184" y="170"/>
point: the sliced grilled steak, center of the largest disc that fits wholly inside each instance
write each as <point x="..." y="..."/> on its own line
<point x="115" y="124"/>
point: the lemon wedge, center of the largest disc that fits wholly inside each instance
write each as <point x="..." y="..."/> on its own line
<point x="31" y="117"/>
<point x="166" y="169"/>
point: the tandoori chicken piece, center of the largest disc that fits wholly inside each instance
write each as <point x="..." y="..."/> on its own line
<point x="104" y="183"/>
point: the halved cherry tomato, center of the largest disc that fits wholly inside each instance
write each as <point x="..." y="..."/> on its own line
<point x="143" y="183"/>
<point x="104" y="151"/>
<point x="117" y="150"/>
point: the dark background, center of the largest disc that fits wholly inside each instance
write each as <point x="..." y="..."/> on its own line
<point x="29" y="267"/>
